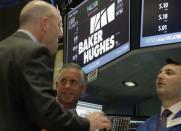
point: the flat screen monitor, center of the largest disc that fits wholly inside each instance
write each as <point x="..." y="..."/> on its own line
<point x="97" y="32"/>
<point x="160" y="22"/>
<point x="84" y="108"/>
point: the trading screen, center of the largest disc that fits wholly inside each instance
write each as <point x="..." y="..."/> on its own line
<point x="97" y="32"/>
<point x="160" y="22"/>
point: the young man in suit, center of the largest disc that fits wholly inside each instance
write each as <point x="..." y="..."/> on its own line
<point x="27" y="99"/>
<point x="168" y="87"/>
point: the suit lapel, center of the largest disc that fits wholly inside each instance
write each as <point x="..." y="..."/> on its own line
<point x="176" y="127"/>
<point x="177" y="115"/>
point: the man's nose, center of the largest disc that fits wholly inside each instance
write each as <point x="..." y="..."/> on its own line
<point x="67" y="84"/>
<point x="160" y="75"/>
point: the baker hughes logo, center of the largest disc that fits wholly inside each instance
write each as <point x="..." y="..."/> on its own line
<point x="102" y="18"/>
<point x="94" y="46"/>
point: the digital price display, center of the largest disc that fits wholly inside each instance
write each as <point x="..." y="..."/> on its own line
<point x="160" y="22"/>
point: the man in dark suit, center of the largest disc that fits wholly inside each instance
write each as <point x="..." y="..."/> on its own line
<point x="27" y="100"/>
<point x="168" y="85"/>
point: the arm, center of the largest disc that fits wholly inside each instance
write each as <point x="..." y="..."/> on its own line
<point x="38" y="96"/>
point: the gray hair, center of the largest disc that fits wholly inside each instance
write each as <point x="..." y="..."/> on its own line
<point x="173" y="61"/>
<point x="76" y="66"/>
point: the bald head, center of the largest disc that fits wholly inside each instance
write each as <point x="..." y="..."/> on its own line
<point x="34" y="10"/>
<point x="44" y="22"/>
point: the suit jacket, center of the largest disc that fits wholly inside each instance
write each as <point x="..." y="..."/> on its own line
<point x="151" y="124"/>
<point x="27" y="100"/>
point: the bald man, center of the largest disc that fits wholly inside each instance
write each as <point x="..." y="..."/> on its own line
<point x="27" y="101"/>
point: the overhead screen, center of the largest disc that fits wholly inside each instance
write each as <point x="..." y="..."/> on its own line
<point x="160" y="22"/>
<point x="97" y="32"/>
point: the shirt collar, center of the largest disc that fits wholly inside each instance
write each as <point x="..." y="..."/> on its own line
<point x="174" y="108"/>
<point x="29" y="34"/>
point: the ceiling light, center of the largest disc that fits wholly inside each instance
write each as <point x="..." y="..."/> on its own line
<point x="129" y="83"/>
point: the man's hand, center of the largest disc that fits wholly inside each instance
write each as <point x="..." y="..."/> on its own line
<point x="98" y="121"/>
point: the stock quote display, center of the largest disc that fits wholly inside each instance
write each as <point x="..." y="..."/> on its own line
<point x="160" y="22"/>
<point x="97" y="32"/>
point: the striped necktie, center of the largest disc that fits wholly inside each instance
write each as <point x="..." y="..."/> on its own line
<point x="163" y="119"/>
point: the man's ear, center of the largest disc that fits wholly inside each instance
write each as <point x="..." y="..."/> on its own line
<point x="44" y="23"/>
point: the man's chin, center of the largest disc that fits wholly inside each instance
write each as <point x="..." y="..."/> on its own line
<point x="160" y="91"/>
<point x="67" y="100"/>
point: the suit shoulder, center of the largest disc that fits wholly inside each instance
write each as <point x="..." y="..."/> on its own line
<point x="147" y="123"/>
<point x="21" y="48"/>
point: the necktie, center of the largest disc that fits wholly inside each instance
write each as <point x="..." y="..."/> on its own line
<point x="163" y="119"/>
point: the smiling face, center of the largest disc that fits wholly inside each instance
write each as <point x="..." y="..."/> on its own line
<point x="168" y="82"/>
<point x="69" y="87"/>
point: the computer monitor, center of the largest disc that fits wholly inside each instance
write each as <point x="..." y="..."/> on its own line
<point x="160" y="22"/>
<point x="84" y="108"/>
<point x="97" y="32"/>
